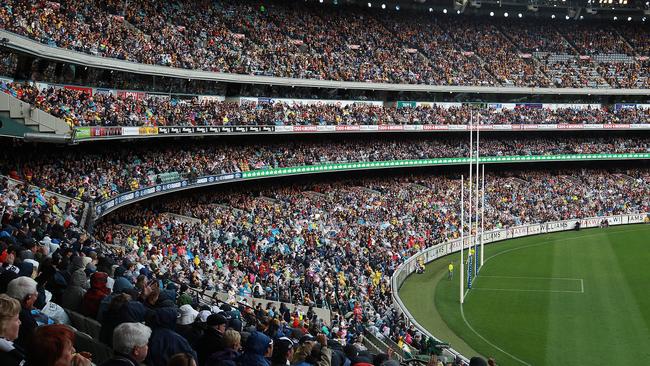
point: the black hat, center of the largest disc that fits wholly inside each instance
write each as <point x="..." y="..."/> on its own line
<point x="477" y="361"/>
<point x="216" y="319"/>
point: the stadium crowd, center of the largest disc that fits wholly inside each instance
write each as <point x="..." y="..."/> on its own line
<point x="98" y="175"/>
<point x="52" y="273"/>
<point x="336" y="245"/>
<point x="333" y="43"/>
<point x="79" y="108"/>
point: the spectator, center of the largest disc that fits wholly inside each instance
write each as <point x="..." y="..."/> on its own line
<point x="182" y="359"/>
<point x="94" y="296"/>
<point x="53" y="345"/>
<point x="212" y="340"/>
<point x="164" y="341"/>
<point x="230" y="354"/>
<point x="24" y="290"/>
<point x="10" y="354"/>
<point x="282" y="352"/>
<point x="258" y="348"/>
<point x="73" y="297"/>
<point x="130" y="344"/>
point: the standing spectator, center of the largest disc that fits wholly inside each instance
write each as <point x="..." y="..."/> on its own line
<point x="10" y="354"/>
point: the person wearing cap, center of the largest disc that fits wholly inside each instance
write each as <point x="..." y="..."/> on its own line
<point x="258" y="348"/>
<point x="282" y="352"/>
<point x="211" y="341"/>
<point x="186" y="324"/>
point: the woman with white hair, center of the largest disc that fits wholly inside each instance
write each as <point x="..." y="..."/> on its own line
<point x="24" y="290"/>
<point x="130" y="344"/>
<point x="9" y="326"/>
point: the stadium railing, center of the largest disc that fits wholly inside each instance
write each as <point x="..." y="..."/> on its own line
<point x="441" y="250"/>
<point x="103" y="208"/>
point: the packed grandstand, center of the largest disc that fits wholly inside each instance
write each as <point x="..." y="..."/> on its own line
<point x="282" y="214"/>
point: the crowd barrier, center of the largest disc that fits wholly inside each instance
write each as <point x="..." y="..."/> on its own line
<point x="441" y="250"/>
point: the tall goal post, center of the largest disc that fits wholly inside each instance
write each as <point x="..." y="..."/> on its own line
<point x="462" y="237"/>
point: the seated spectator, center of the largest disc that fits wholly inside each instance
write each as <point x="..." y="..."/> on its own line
<point x="212" y="339"/>
<point x="130" y="344"/>
<point x="73" y="296"/>
<point x="258" y="348"/>
<point x="164" y="341"/>
<point x="181" y="359"/>
<point x="24" y="290"/>
<point x="53" y="345"/>
<point x="282" y="352"/>
<point x="228" y="356"/>
<point x="94" y="296"/>
<point x="10" y="354"/>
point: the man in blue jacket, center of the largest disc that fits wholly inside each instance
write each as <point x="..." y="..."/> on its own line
<point x="258" y="348"/>
<point x="164" y="341"/>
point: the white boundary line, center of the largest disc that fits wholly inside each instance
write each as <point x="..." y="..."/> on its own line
<point x="536" y="278"/>
<point x="462" y="312"/>
<point x="525" y="290"/>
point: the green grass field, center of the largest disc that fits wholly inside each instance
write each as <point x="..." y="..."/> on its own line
<point x="572" y="298"/>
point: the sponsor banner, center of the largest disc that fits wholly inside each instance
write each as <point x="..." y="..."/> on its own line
<point x="148" y="130"/>
<point x="435" y="127"/>
<point x="391" y="128"/>
<point x="130" y="131"/>
<point x="305" y="128"/>
<point x="560" y="225"/>
<point x="563" y="126"/>
<point x="617" y="126"/>
<point x="326" y="128"/>
<point x="211" y="98"/>
<point x="348" y="128"/>
<point x="535" y="229"/>
<point x="593" y="126"/>
<point x="100" y="91"/>
<point x="284" y="128"/>
<point x="133" y="94"/>
<point x="547" y="127"/>
<point x="187" y="130"/>
<point x="88" y="91"/>
<point x="369" y="128"/>
<point x="412" y="127"/>
<point x="82" y="133"/>
<point x="458" y="127"/>
<point x="636" y="219"/>
<point x="519" y="231"/>
<point x="144" y="192"/>
<point x="486" y="127"/>
<point x="159" y="96"/>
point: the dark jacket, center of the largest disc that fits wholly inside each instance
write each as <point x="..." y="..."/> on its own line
<point x="73" y="296"/>
<point x="256" y="346"/>
<point x="94" y="296"/>
<point x="227" y="357"/>
<point x="121" y="360"/>
<point x="164" y="341"/>
<point x="27" y="327"/>
<point x="209" y="343"/>
<point x="15" y="357"/>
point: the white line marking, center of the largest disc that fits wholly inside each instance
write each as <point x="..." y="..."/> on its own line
<point x="462" y="313"/>
<point x="582" y="285"/>
<point x="524" y="290"/>
<point x="537" y="278"/>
